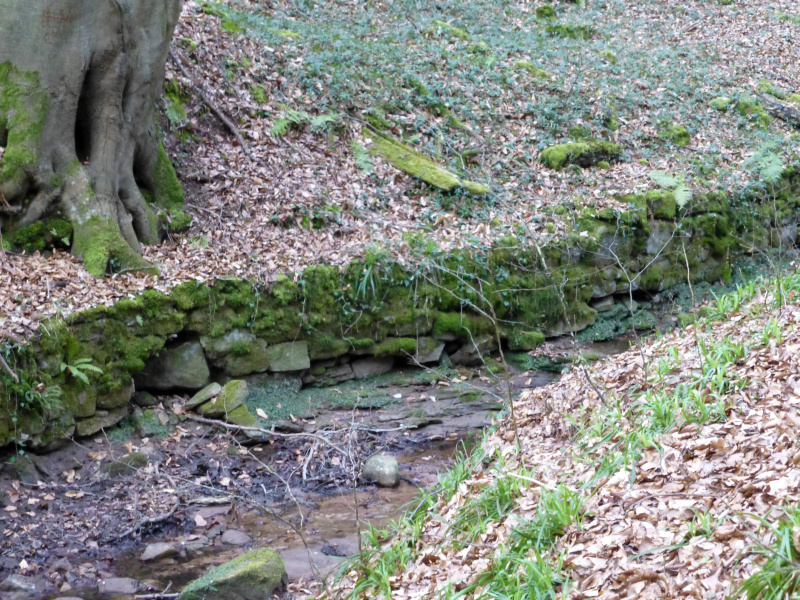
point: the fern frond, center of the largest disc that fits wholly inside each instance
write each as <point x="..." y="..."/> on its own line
<point x="663" y="180"/>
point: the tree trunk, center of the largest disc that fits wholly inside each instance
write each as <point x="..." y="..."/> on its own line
<point x="79" y="82"/>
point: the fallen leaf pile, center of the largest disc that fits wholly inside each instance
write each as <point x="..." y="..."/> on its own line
<point x="636" y="540"/>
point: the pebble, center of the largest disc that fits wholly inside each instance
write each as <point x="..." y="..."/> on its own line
<point x="158" y="550"/>
<point x="235" y="538"/>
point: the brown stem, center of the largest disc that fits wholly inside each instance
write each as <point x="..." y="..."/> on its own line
<point x="178" y="59"/>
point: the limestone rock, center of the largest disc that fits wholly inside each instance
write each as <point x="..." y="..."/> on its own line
<point x="183" y="367"/>
<point x="241" y="416"/>
<point x="429" y="355"/>
<point x="19" y="583"/>
<point x="158" y="551"/>
<point x="382" y="470"/>
<point x="235" y="538"/>
<point x="370" y="367"/>
<point x="230" y="398"/>
<point x="125" y="464"/>
<point x="291" y="356"/>
<point x="101" y="420"/>
<point x="603" y="304"/>
<point x="204" y="395"/>
<point x="254" y="574"/>
<point x="144" y="399"/>
<point x="118" y="585"/>
<point x="255" y="360"/>
<point x="148" y="424"/>
<point x="238" y="352"/>
<point x="338" y="374"/>
<point x="26" y="471"/>
<point x="117" y="398"/>
<point x="474" y="352"/>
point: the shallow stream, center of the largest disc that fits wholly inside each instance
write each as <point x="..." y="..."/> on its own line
<point x="446" y="419"/>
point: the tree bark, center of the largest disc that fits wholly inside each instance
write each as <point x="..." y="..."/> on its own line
<point x="79" y="83"/>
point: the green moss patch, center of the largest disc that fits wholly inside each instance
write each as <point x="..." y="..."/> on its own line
<point x="414" y="163"/>
<point x="584" y="154"/>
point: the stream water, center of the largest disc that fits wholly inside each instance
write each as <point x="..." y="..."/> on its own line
<point x="449" y="419"/>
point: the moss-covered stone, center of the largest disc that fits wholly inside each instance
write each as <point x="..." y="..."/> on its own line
<point x="608" y="56"/>
<point x="448" y="29"/>
<point x="525" y="340"/>
<point x="230" y="398"/>
<point x="545" y="11"/>
<point x="254" y="574"/>
<point x="408" y="160"/>
<point x="241" y="416"/>
<point x="721" y="103"/>
<point x="531" y="69"/>
<point x="289" y="356"/>
<point x="573" y="32"/>
<point x="125" y="464"/>
<point x="101" y="420"/>
<point x="749" y="108"/>
<point x="677" y="134"/>
<point x="584" y="154"/>
<point x="147" y="424"/>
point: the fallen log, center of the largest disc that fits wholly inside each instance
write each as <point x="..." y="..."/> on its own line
<point x="781" y="111"/>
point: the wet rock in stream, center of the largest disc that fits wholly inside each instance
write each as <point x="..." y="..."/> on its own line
<point x="382" y="470"/>
<point x="254" y="574"/>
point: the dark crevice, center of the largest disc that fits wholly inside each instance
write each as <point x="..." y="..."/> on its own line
<point x="83" y="133"/>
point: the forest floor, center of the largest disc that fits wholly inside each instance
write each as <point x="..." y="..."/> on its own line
<point x="669" y="471"/>
<point x="301" y="79"/>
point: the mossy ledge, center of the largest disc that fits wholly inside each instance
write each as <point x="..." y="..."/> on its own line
<point x="586" y="153"/>
<point x="386" y="309"/>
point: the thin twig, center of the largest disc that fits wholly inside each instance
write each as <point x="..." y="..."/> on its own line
<point x="8" y="369"/>
<point x="147" y="523"/>
<point x="271" y="432"/>
<point x="178" y="59"/>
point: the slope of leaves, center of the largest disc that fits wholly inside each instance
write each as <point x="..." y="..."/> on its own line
<point x="681" y="456"/>
<point x="457" y="80"/>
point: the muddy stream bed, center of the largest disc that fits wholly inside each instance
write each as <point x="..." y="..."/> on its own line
<point x="70" y="525"/>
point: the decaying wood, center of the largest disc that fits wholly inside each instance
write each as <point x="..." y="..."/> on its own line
<point x="784" y="112"/>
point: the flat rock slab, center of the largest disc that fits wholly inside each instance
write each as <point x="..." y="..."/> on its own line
<point x="291" y="356"/>
<point x="158" y="551"/>
<point x="235" y="538"/>
<point x="118" y="585"/>
<point x="204" y="395"/>
<point x="370" y="367"/>
<point x="18" y="583"/>
<point x="230" y="398"/>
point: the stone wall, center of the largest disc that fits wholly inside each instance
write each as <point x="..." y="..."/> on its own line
<point x="330" y="325"/>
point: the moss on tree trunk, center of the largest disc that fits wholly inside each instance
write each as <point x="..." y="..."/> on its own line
<point x="79" y="82"/>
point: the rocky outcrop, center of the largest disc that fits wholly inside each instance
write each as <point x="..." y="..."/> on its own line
<point x="331" y="325"/>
